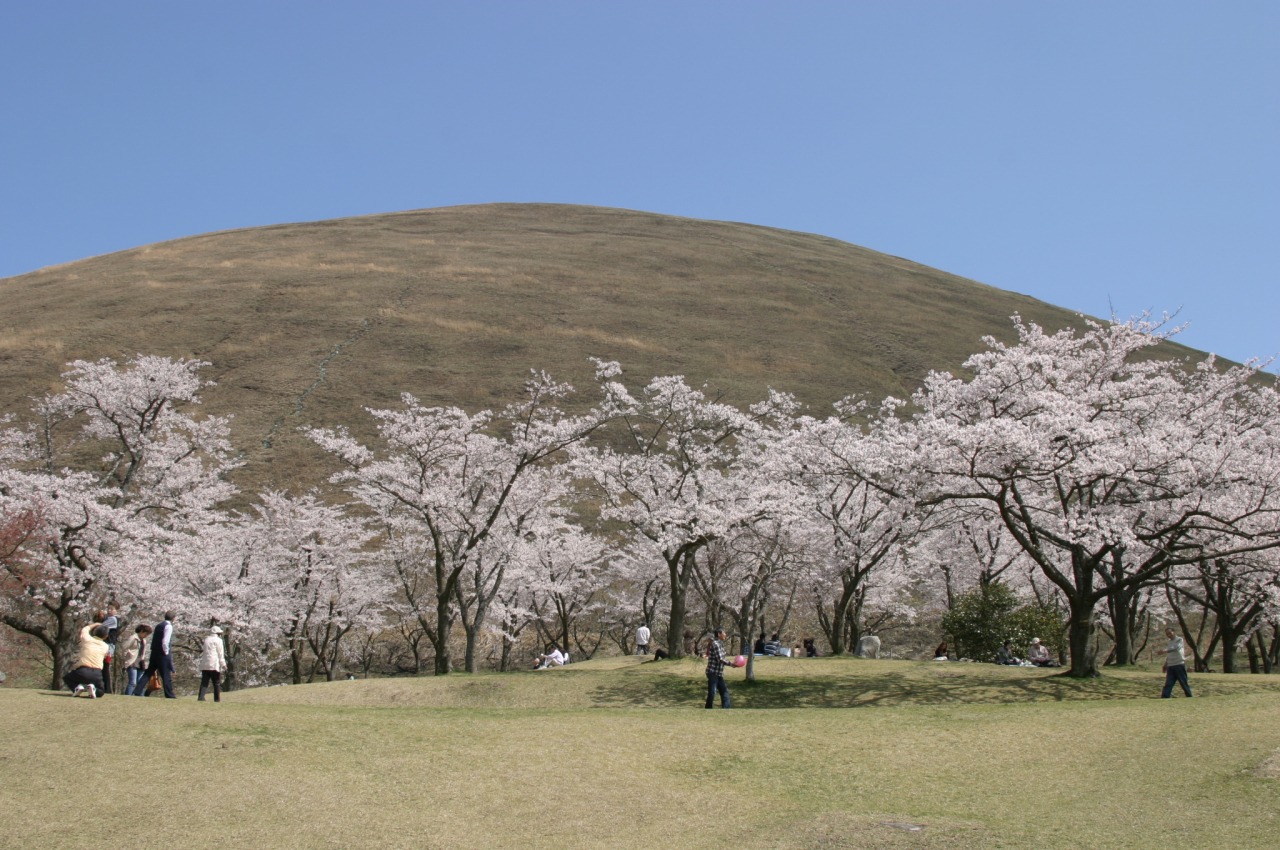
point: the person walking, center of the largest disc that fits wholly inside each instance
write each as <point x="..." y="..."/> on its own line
<point x="642" y="639"/>
<point x="135" y="656"/>
<point x="161" y="658"/>
<point x="715" y="671"/>
<point x="1175" y="665"/>
<point x="213" y="663"/>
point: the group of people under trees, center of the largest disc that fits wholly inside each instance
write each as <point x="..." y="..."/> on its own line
<point x="147" y="654"/>
<point x="1037" y="655"/>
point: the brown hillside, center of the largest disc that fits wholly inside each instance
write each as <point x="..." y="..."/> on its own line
<point x="307" y="323"/>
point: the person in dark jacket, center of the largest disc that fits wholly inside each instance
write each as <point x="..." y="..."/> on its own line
<point x="161" y="658"/>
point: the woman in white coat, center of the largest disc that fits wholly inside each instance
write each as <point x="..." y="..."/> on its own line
<point x="213" y="663"/>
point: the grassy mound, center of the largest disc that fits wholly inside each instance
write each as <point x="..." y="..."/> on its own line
<point x="619" y="753"/>
<point x="307" y="324"/>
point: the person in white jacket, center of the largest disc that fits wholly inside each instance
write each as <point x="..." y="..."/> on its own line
<point x="213" y="663"/>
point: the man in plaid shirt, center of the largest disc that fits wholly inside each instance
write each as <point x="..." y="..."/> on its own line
<point x="715" y="671"/>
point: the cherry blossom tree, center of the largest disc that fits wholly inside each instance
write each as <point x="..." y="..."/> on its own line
<point x="861" y="531"/>
<point x="322" y="581"/>
<point x="519" y="546"/>
<point x="1235" y="594"/>
<point x="746" y="573"/>
<point x="413" y="605"/>
<point x="512" y="615"/>
<point x="967" y="549"/>
<point x="443" y="478"/>
<point x="566" y="583"/>
<point x="633" y="592"/>
<point x="1107" y="465"/>
<point x="115" y="461"/>
<point x="668" y="477"/>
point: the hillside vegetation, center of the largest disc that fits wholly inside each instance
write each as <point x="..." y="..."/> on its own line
<point x="306" y="324"/>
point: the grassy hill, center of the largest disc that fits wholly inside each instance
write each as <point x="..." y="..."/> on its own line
<point x="825" y="753"/>
<point x="305" y="324"/>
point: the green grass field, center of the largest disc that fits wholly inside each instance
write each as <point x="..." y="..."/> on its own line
<point x="825" y="753"/>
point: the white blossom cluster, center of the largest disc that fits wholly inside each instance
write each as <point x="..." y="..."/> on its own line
<point x="1090" y="470"/>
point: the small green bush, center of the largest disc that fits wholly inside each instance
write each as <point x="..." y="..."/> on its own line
<point x="988" y="615"/>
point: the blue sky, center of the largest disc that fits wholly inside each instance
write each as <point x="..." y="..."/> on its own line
<point x="1106" y="157"/>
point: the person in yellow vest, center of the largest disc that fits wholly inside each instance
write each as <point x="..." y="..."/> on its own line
<point x="85" y="677"/>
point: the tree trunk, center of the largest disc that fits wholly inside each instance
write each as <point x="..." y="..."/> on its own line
<point x="440" y="640"/>
<point x="233" y="666"/>
<point x="1271" y="657"/>
<point x="679" y="602"/>
<point x="1254" y="660"/>
<point x="841" y="631"/>
<point x="1121" y="604"/>
<point x="59" y="653"/>
<point x="675" y="624"/>
<point x="1084" y="663"/>
<point x="295" y="659"/>
<point x="1229" y="640"/>
<point x="469" y="654"/>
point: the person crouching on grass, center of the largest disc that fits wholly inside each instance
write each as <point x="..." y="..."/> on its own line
<point x="86" y="676"/>
<point x="715" y="671"/>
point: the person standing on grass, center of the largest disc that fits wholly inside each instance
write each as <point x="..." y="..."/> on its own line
<point x="213" y="663"/>
<point x="112" y="621"/>
<point x="715" y="671"/>
<point x="642" y="639"/>
<point x="161" y="658"/>
<point x="1175" y="665"/>
<point x="135" y="657"/>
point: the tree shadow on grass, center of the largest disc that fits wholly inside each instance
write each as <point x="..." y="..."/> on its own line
<point x="870" y="688"/>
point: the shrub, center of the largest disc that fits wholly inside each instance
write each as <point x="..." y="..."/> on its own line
<point x="988" y="615"/>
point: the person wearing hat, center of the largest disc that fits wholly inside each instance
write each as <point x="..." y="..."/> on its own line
<point x="1038" y="654"/>
<point x="213" y="663"/>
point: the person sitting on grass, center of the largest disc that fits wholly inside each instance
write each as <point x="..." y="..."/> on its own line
<point x="773" y="646"/>
<point x="553" y="657"/>
<point x="1004" y="655"/>
<point x="1038" y="654"/>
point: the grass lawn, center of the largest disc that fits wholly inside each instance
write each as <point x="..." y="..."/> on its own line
<point x="825" y="753"/>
